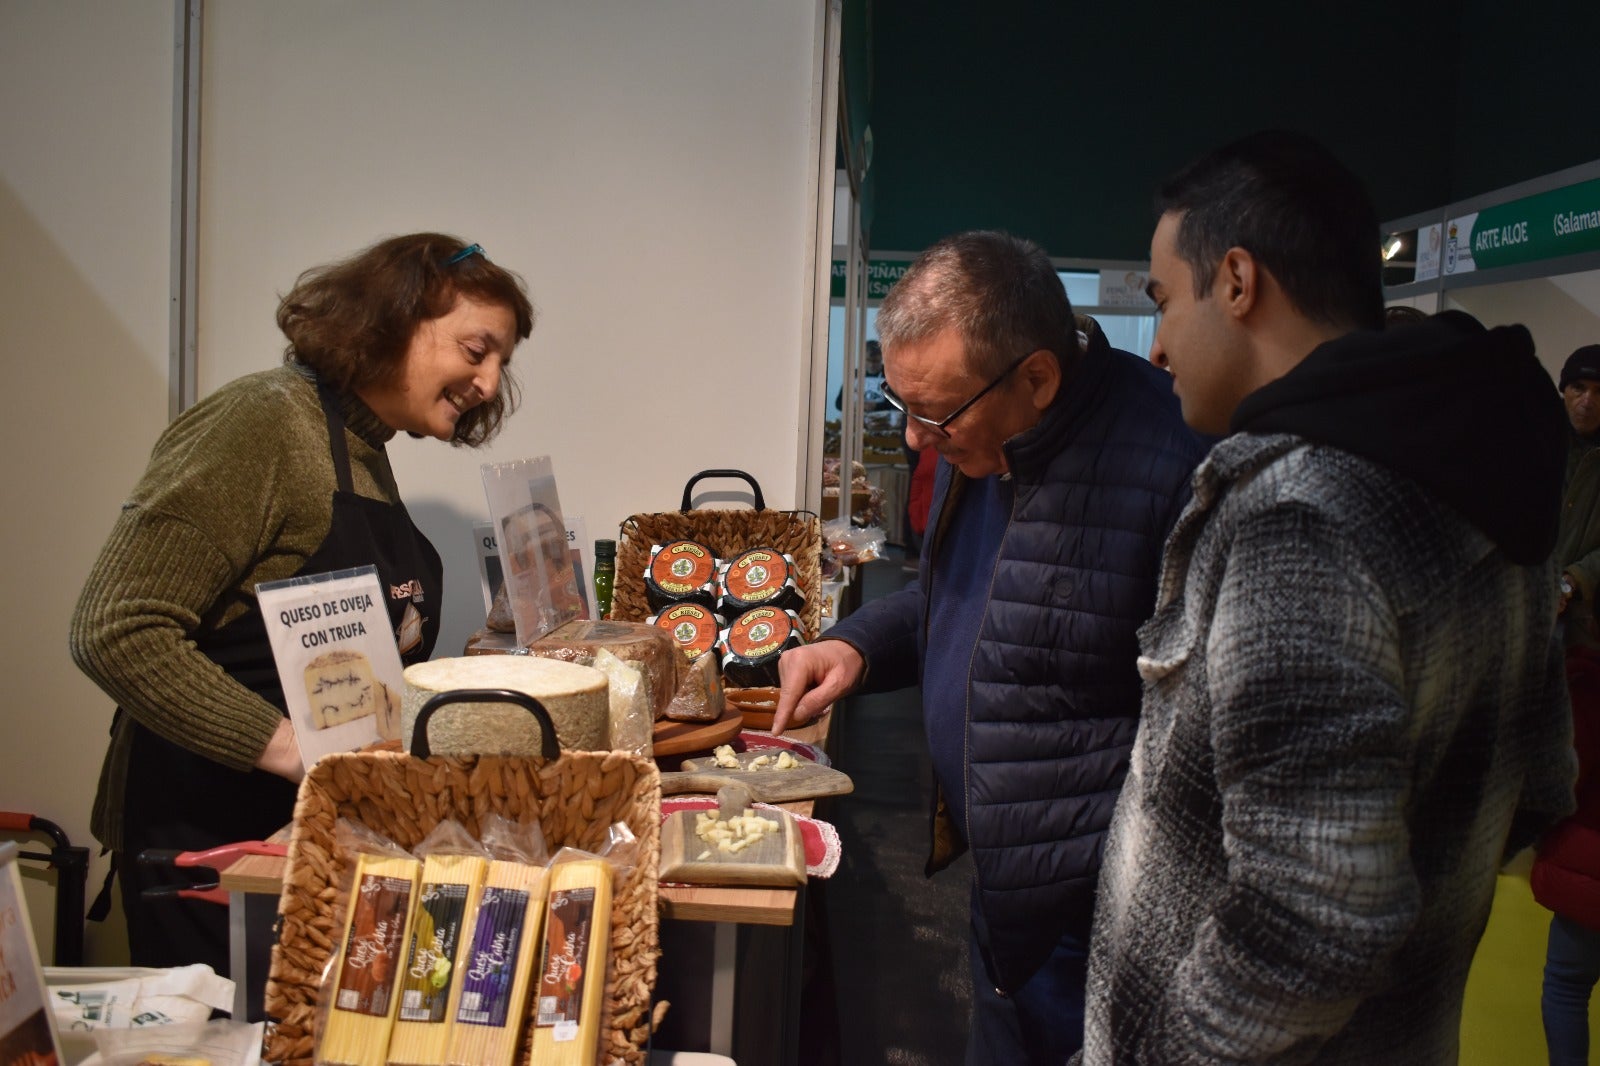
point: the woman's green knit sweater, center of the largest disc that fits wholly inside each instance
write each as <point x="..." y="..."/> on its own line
<point x="239" y="491"/>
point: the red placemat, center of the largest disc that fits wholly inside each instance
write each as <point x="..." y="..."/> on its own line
<point x="820" y="838"/>
<point x="751" y="739"/>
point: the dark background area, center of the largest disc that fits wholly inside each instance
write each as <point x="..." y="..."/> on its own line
<point x="1057" y="120"/>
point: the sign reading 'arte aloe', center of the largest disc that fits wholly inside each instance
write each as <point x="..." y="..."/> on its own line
<point x="1552" y="224"/>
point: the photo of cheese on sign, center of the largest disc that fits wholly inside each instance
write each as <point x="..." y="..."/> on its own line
<point x="341" y="688"/>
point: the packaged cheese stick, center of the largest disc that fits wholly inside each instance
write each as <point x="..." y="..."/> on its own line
<point x="576" y="956"/>
<point x="361" y="987"/>
<point x="499" y="958"/>
<point x="454" y="867"/>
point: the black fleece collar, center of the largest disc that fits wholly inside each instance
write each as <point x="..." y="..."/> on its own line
<point x="1465" y="412"/>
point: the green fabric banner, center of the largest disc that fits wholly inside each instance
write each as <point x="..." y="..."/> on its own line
<point x="1546" y="226"/>
<point x="881" y="276"/>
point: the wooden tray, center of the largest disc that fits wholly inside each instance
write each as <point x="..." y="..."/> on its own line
<point x="683" y="738"/>
<point x="761" y="720"/>
<point x="777" y="859"/>
<point x="806" y="781"/>
<point x="757" y="705"/>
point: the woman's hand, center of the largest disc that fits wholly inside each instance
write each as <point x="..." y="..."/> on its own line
<point x="282" y="755"/>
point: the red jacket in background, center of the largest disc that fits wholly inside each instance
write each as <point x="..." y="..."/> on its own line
<point x="1566" y="873"/>
<point x="919" y="497"/>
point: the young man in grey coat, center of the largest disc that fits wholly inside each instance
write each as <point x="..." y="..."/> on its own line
<point x="1354" y="708"/>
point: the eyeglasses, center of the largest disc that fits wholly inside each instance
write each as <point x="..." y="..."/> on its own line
<point x="939" y="426"/>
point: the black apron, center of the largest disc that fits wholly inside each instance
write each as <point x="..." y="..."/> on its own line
<point x="176" y="798"/>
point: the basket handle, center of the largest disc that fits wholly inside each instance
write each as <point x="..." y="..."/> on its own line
<point x="551" y="750"/>
<point x="688" y="489"/>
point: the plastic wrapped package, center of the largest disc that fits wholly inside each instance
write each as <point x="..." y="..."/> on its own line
<point x="699" y="697"/>
<point x="633" y="712"/>
<point x="633" y="642"/>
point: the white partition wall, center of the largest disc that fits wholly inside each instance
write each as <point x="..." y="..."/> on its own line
<point x="646" y="167"/>
<point x="85" y="185"/>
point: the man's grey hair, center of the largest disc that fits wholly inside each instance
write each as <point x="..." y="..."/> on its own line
<point x="1000" y="293"/>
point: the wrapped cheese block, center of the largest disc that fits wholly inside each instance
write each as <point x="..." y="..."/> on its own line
<point x="752" y="644"/>
<point x="759" y="577"/>
<point x="681" y="571"/>
<point x="577" y="698"/>
<point x="632" y="716"/>
<point x="633" y="642"/>
<point x="699" y="696"/>
<point x="500" y="619"/>
<point x="498" y="965"/>
<point x="693" y="627"/>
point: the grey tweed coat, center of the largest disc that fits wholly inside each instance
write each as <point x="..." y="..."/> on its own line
<point x="1353" y="710"/>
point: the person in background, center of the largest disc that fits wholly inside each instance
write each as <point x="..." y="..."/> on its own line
<point x="1402" y="315"/>
<point x="1566" y="872"/>
<point x="1353" y="702"/>
<point x="1578" y="544"/>
<point x="279" y="473"/>
<point x="1060" y="469"/>
<point x="871" y="382"/>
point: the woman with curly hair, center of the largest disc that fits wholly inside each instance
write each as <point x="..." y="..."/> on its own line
<point x="280" y="473"/>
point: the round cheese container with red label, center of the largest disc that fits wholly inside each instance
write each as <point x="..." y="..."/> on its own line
<point x="693" y="627"/>
<point x="759" y="577"/>
<point x="752" y="644"/>
<point x="681" y="571"/>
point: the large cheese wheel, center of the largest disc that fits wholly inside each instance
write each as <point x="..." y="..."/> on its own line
<point x="576" y="696"/>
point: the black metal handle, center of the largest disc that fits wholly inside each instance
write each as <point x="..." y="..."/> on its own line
<point x="551" y="749"/>
<point x="688" y="490"/>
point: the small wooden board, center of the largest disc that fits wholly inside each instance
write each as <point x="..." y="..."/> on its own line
<point x="681" y="738"/>
<point x="806" y="781"/>
<point x="779" y="858"/>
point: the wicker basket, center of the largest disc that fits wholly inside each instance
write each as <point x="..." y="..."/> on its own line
<point x="576" y="796"/>
<point x="797" y="534"/>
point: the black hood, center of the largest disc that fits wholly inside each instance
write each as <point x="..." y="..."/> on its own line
<point x="1466" y="412"/>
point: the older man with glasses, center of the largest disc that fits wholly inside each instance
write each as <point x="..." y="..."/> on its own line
<point x="1063" y="463"/>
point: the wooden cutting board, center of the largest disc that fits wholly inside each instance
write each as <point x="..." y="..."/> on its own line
<point x="779" y="858"/>
<point x="806" y="781"/>
<point x="681" y="738"/>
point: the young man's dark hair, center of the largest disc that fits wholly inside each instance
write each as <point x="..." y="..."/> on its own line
<point x="1287" y="201"/>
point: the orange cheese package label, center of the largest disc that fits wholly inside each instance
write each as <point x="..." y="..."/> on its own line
<point x="693" y="628"/>
<point x="752" y="644"/>
<point x="759" y="577"/>
<point x="679" y="571"/>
